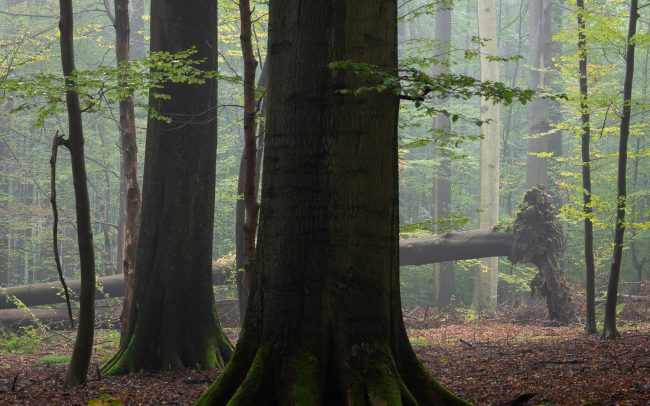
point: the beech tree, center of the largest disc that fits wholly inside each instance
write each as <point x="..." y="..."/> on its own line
<point x="444" y="271"/>
<point x="539" y="108"/>
<point x="486" y="276"/>
<point x="324" y="324"/>
<point x="172" y="319"/>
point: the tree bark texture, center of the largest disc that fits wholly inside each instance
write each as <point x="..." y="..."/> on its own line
<point x="129" y="155"/>
<point x="609" y="327"/>
<point x="486" y="276"/>
<point x="78" y="367"/>
<point x="172" y="321"/>
<point x="539" y="18"/>
<point x="443" y="272"/>
<point x="330" y="176"/>
<point x="585" y="137"/>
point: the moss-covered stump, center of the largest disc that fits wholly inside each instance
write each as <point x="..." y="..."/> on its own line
<point x="539" y="240"/>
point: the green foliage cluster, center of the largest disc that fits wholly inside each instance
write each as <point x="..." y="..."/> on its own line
<point x="25" y="341"/>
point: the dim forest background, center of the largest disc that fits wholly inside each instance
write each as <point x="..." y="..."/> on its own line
<point x="439" y="161"/>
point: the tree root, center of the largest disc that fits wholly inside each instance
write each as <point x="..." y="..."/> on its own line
<point x="367" y="374"/>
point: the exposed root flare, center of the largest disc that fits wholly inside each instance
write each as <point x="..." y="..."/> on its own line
<point x="139" y="353"/>
<point x="368" y="375"/>
<point x="539" y="240"/>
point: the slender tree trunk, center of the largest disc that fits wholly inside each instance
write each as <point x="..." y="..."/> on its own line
<point x="78" y="368"/>
<point x="538" y="109"/>
<point x="486" y="276"/>
<point x="250" y="152"/>
<point x="590" y="316"/>
<point x="444" y="272"/>
<point x="330" y="174"/>
<point x="172" y="320"/>
<point x="240" y="210"/>
<point x="129" y="165"/>
<point x="609" y="328"/>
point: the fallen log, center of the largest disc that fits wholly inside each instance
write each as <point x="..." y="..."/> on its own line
<point x="105" y="317"/>
<point x="38" y="294"/>
<point x="455" y="246"/>
<point x="54" y="318"/>
<point x="452" y="246"/>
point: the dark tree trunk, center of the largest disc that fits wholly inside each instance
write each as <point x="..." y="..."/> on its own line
<point x="240" y="209"/>
<point x="590" y="268"/>
<point x="250" y="151"/>
<point x="609" y="327"/>
<point x="330" y="175"/>
<point x="78" y="368"/>
<point x="129" y="164"/>
<point x="172" y="320"/>
<point x="444" y="272"/>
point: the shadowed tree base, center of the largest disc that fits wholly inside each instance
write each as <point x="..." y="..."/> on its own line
<point x="205" y="348"/>
<point x="339" y="367"/>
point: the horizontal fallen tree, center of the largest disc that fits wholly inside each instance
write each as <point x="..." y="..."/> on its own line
<point x="455" y="246"/>
<point x="537" y="239"/>
<point x="38" y="294"/>
<point x="452" y="246"/>
<point x="105" y="316"/>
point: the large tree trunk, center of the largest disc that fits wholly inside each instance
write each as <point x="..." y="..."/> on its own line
<point x="609" y="327"/>
<point x="172" y="321"/>
<point x="590" y="268"/>
<point x="129" y="155"/>
<point x="330" y="176"/>
<point x="444" y="272"/>
<point x="486" y="276"/>
<point x="78" y="367"/>
<point x="538" y="108"/>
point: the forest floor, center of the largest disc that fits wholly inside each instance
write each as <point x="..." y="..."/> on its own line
<point x="488" y="362"/>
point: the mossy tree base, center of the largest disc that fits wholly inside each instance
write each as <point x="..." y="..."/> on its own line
<point x="335" y="369"/>
<point x="205" y="348"/>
